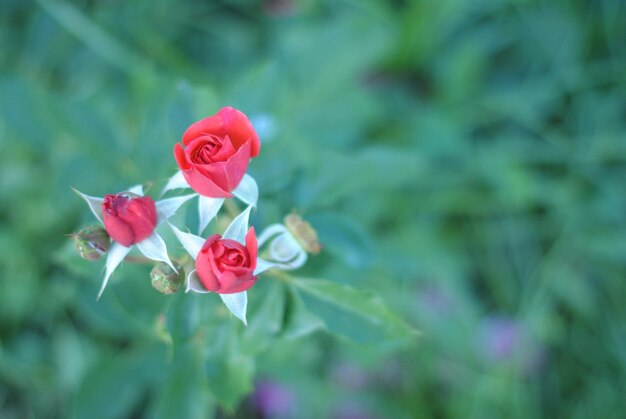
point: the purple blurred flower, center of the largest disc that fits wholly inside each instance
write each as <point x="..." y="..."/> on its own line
<point x="274" y="400"/>
<point x="435" y="299"/>
<point x="504" y="339"/>
<point x="349" y="375"/>
<point x="501" y="336"/>
<point x="392" y="374"/>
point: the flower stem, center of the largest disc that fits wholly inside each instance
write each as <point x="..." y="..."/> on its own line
<point x="138" y="259"/>
<point x="281" y="276"/>
<point x="144" y="260"/>
<point x="231" y="207"/>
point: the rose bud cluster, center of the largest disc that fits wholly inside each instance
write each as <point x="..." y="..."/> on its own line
<point x="131" y="219"/>
<point x="212" y="161"/>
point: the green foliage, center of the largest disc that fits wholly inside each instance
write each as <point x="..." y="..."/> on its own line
<point x="462" y="161"/>
<point x="359" y="315"/>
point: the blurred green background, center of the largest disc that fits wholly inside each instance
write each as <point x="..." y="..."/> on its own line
<point x="464" y="160"/>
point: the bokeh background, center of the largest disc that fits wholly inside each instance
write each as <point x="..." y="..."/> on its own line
<point x="464" y="160"/>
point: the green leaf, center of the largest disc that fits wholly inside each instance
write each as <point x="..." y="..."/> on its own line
<point x="98" y="39"/>
<point x="183" y="394"/>
<point x="229" y="371"/>
<point x="299" y="321"/>
<point x="267" y="320"/>
<point x="230" y="379"/>
<point x="183" y="316"/>
<point x="116" y="385"/>
<point x="356" y="314"/>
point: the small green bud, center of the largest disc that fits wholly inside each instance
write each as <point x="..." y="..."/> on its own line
<point x="165" y="280"/>
<point x="303" y="232"/>
<point x="92" y="242"/>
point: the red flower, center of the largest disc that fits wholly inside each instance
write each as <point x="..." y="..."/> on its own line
<point x="225" y="266"/>
<point x="217" y="152"/>
<point x="129" y="219"/>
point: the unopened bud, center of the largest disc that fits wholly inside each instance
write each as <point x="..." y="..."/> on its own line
<point x="92" y="242"/>
<point x="165" y="280"/>
<point x="303" y="232"/>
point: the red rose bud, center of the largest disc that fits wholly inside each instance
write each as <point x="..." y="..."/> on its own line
<point x="225" y="266"/>
<point x="92" y="242"/>
<point x="217" y="152"/>
<point x="128" y="218"/>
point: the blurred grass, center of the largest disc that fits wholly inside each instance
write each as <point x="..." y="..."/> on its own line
<point x="465" y="160"/>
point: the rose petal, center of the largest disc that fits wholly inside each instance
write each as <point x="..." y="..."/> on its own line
<point x="228" y="121"/>
<point x="252" y="247"/>
<point x="227" y="175"/>
<point x="119" y="230"/>
<point x="231" y="281"/>
<point x="240" y="129"/>
<point x="140" y="214"/>
<point x="181" y="157"/>
<point x="221" y="151"/>
<point x="225" y="151"/>
<point x="236" y="275"/>
<point x="206" y="267"/>
<point x="201" y="182"/>
<point x="212" y="125"/>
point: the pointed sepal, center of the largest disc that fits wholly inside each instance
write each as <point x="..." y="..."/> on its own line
<point x="238" y="228"/>
<point x="237" y="304"/>
<point x="137" y="190"/>
<point x="192" y="243"/>
<point x="175" y="182"/>
<point x="168" y="207"/>
<point x="247" y="190"/>
<point x="116" y="255"/>
<point x="263" y="265"/>
<point x="95" y="204"/>
<point x="284" y="250"/>
<point x="193" y="284"/>
<point x="207" y="210"/>
<point x="154" y="248"/>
